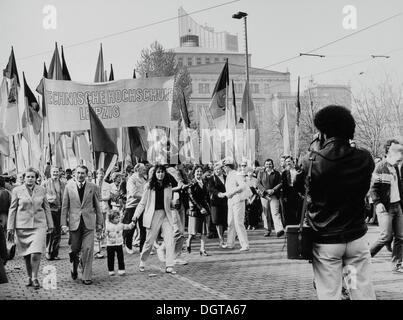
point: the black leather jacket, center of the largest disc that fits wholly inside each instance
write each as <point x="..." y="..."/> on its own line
<point x="340" y="180"/>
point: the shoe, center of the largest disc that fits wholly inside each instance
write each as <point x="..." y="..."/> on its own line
<point x="30" y="283"/>
<point x="36" y="284"/>
<point x="161" y="254"/>
<point x="129" y="251"/>
<point x="204" y="253"/>
<point x="170" y="270"/>
<point x="267" y="234"/>
<point x="111" y="273"/>
<point x="87" y="282"/>
<point x="223" y="245"/>
<point x="280" y="233"/>
<point x="397" y="270"/>
<point x="74" y="274"/>
<point x="56" y="258"/>
<point x="142" y="266"/>
<point x="99" y="255"/>
<point x="389" y="246"/>
<point x="121" y="272"/>
<point x="48" y="257"/>
<point x="244" y="249"/>
<point x="181" y="261"/>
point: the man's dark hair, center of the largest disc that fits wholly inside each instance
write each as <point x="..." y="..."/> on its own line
<point x="270" y="160"/>
<point x="2" y="182"/>
<point x="335" y="121"/>
<point x="389" y="143"/>
<point x="81" y="166"/>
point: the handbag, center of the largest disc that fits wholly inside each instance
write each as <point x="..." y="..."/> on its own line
<point x="299" y="237"/>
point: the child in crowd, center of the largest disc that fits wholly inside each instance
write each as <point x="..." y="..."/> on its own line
<point x="114" y="241"/>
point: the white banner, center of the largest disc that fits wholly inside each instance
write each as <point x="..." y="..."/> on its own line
<point x="121" y="103"/>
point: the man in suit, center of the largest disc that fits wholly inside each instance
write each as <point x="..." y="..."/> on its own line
<point x="54" y="192"/>
<point x="81" y="214"/>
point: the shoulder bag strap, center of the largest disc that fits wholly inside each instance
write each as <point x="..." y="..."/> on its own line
<point x="307" y="185"/>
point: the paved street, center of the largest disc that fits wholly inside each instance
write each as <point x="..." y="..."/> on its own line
<point x="263" y="273"/>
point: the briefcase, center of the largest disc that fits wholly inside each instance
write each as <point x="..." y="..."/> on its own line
<point x="299" y="242"/>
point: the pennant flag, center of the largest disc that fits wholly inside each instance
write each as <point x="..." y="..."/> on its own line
<point x="55" y="71"/>
<point x="296" y="133"/>
<point x="248" y="110"/>
<point x="31" y="112"/>
<point x="11" y="69"/>
<point x="134" y="73"/>
<point x="65" y="70"/>
<point x="40" y="88"/>
<point x="217" y="105"/>
<point x="99" y="72"/>
<point x="11" y="124"/>
<point x="101" y="141"/>
<point x="184" y="111"/>
<point x="4" y="140"/>
<point x="111" y="75"/>
<point x="286" y="133"/>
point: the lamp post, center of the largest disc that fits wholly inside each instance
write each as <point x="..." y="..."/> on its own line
<point x="239" y="15"/>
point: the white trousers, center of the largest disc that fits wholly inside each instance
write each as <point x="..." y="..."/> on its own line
<point x="236" y="226"/>
<point x="159" y="220"/>
<point x="274" y="209"/>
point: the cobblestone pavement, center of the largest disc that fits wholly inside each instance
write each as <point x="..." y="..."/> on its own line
<point x="262" y="273"/>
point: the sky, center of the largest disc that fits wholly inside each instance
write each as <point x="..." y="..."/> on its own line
<point x="277" y="30"/>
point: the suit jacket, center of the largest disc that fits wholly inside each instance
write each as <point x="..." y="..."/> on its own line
<point x="29" y="212"/>
<point x="147" y="205"/>
<point x="215" y="186"/>
<point x="73" y="209"/>
<point x="269" y="181"/>
<point x="199" y="199"/>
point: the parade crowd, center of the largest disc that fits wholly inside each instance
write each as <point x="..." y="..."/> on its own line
<point x="153" y="207"/>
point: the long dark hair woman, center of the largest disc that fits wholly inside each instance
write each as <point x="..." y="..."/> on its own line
<point x="199" y="210"/>
<point x="156" y="205"/>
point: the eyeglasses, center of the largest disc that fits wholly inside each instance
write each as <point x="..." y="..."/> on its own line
<point x="243" y="165"/>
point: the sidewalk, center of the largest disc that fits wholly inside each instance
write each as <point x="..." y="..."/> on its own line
<point x="263" y="273"/>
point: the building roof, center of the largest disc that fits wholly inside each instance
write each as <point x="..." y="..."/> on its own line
<point x="214" y="68"/>
<point x="202" y="50"/>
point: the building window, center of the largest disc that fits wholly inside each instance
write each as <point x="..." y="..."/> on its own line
<point x="207" y="60"/>
<point x="239" y="88"/>
<point x="266" y="88"/>
<point x="180" y="62"/>
<point x="255" y="88"/>
<point x="204" y="88"/>
<point x="190" y="61"/>
<point x="216" y="59"/>
<point x="198" y="61"/>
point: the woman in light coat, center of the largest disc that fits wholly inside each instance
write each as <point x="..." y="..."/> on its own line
<point x="29" y="219"/>
<point x="156" y="205"/>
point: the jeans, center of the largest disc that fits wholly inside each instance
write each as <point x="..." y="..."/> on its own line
<point x="329" y="263"/>
<point x="110" y="251"/>
<point x="179" y="229"/>
<point x="390" y="224"/>
<point x="272" y="206"/>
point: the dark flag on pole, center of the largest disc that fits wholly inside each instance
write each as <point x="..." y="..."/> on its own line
<point x="65" y="71"/>
<point x="101" y="141"/>
<point x="184" y="111"/>
<point x="11" y="69"/>
<point x="31" y="113"/>
<point x="111" y="75"/>
<point x="296" y="134"/>
<point x="218" y="102"/>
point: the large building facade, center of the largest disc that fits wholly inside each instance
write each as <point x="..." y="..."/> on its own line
<point x="203" y="52"/>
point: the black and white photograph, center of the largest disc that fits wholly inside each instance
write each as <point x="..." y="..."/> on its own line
<point x="201" y="157"/>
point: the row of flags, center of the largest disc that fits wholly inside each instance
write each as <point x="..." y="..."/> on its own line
<point x="99" y="146"/>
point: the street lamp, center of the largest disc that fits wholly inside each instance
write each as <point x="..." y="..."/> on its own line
<point x="240" y="15"/>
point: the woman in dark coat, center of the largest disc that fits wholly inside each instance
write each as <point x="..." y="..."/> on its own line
<point x="219" y="207"/>
<point x="199" y="210"/>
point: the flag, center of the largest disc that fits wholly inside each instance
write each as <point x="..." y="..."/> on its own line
<point x="55" y="71"/>
<point x="134" y="73"/>
<point x="4" y="139"/>
<point x="231" y="127"/>
<point x="11" y="69"/>
<point x="248" y="110"/>
<point x="11" y="124"/>
<point x="234" y="102"/>
<point x="65" y="70"/>
<point x="184" y="111"/>
<point x="111" y="75"/>
<point x="218" y="102"/>
<point x="31" y="112"/>
<point x="100" y="139"/>
<point x="286" y="133"/>
<point x="99" y="72"/>
<point x="40" y="88"/>
<point x="296" y="133"/>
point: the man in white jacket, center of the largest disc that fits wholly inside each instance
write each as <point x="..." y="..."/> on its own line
<point x="237" y="192"/>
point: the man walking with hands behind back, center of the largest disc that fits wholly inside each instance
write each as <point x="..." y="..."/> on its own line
<point x="81" y="214"/>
